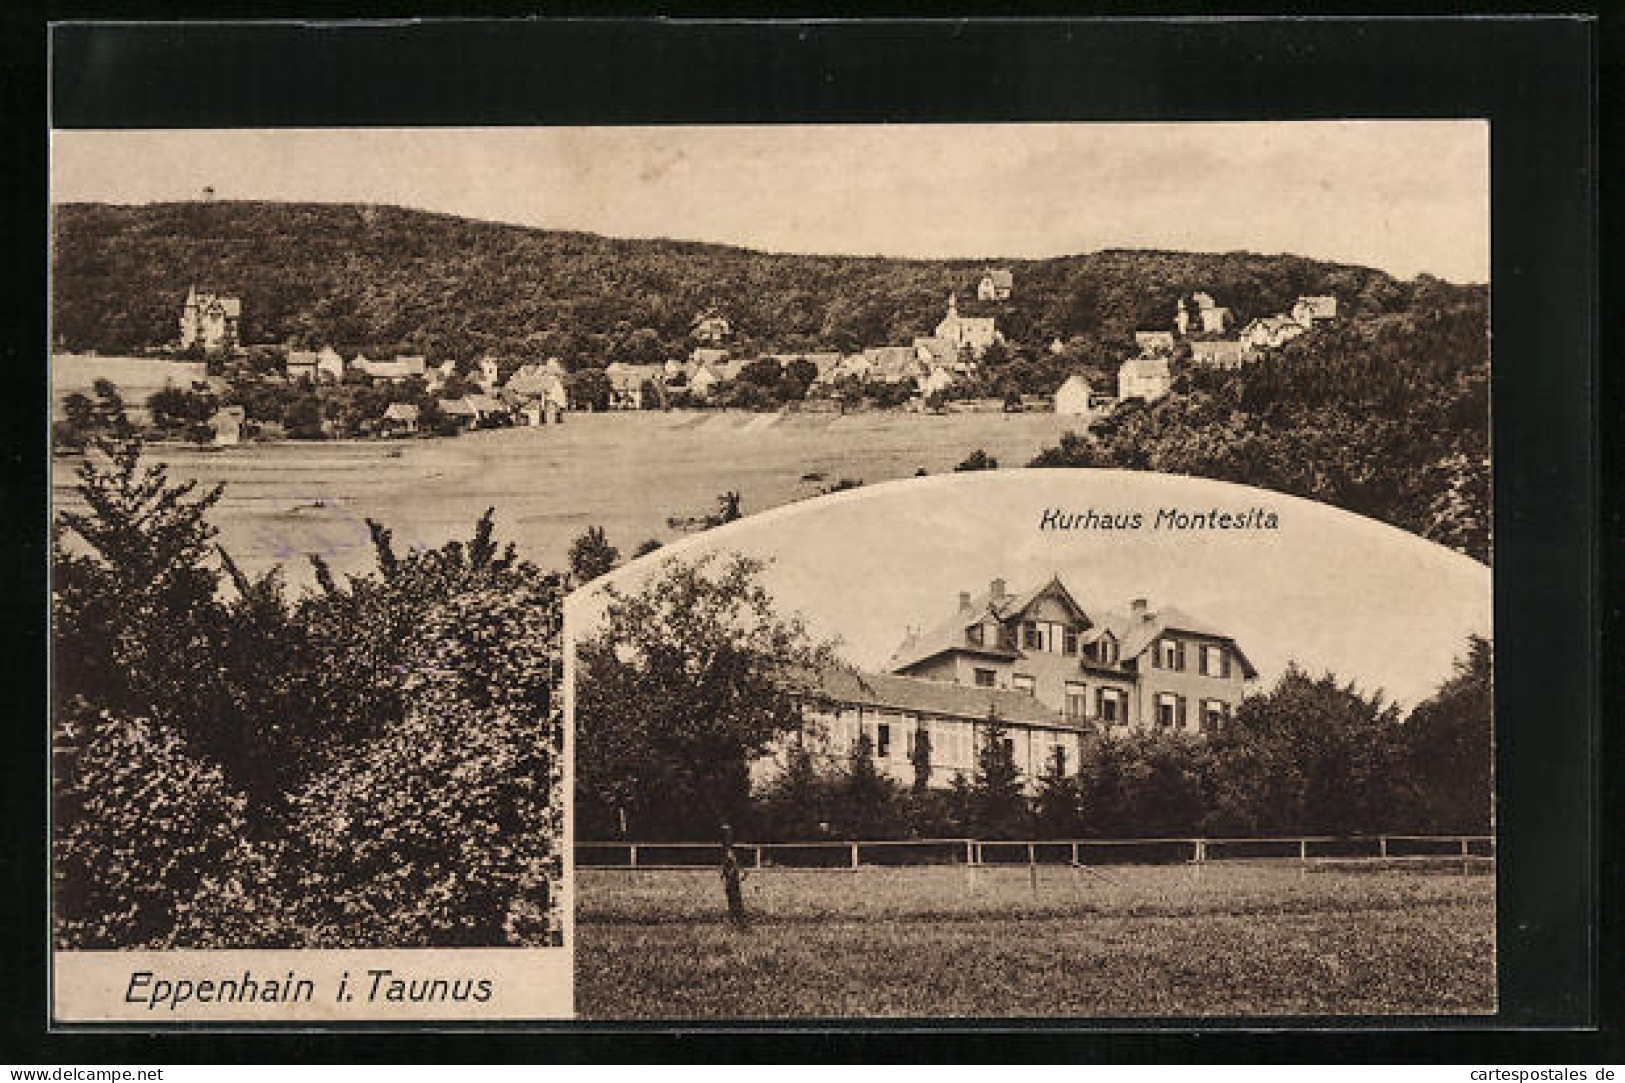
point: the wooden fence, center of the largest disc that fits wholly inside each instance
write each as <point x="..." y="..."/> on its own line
<point x="853" y="855"/>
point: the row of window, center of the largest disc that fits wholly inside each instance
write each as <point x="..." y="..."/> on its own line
<point x="1110" y="704"/>
<point x="1172" y="714"/>
<point x="1212" y="660"/>
<point x="1057" y="638"/>
<point x="949" y="746"/>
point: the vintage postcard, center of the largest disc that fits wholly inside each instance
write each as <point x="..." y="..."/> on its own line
<point x="772" y="572"/>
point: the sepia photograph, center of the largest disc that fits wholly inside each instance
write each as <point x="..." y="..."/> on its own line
<point x="1158" y="608"/>
<point x="1034" y="744"/>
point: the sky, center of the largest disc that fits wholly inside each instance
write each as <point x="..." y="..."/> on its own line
<point x="1403" y="196"/>
<point x="1329" y="590"/>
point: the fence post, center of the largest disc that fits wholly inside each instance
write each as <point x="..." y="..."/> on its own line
<point x="854" y="857"/>
<point x="1074" y="853"/>
<point x="1382" y="846"/>
<point x="634" y="849"/>
<point x="1032" y="868"/>
<point x="757" y="851"/>
<point x="1464" y="857"/>
<point x="1303" y="858"/>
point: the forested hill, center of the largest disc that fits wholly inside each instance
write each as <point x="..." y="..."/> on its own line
<point x="395" y="278"/>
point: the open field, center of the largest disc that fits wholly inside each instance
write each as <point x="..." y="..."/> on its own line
<point x="1262" y="939"/>
<point x="626" y="472"/>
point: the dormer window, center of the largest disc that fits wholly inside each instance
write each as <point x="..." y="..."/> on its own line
<point x="974" y="634"/>
<point x="1105" y="651"/>
<point x="1029" y="635"/>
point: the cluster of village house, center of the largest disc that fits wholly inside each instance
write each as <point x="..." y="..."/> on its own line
<point x="930" y="363"/>
<point x="1207" y="326"/>
<point x="538" y="393"/>
<point x="1049" y="670"/>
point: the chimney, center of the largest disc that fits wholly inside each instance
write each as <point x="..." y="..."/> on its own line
<point x="964" y="600"/>
<point x="996" y="590"/>
<point x="1139" y="608"/>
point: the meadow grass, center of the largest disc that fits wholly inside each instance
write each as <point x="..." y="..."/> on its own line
<point x="628" y="472"/>
<point x="1233" y="941"/>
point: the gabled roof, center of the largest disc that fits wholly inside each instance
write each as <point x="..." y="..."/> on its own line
<point x="534" y="379"/>
<point x="1323" y="306"/>
<point x="950" y="635"/>
<point x="1077" y="381"/>
<point x="892" y="362"/>
<point x="1214" y="349"/>
<point x="1001" y="277"/>
<point x="1145" y="368"/>
<point x="1136" y="634"/>
<point x="625" y="377"/>
<point x="401" y="411"/>
<point x="937" y="349"/>
<point x="889" y="691"/>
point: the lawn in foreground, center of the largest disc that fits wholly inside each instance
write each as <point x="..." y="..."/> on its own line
<point x="1251" y="940"/>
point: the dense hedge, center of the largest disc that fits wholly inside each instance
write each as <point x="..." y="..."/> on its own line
<point x="372" y="764"/>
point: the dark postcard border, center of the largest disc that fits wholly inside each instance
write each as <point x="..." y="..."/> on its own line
<point x="1532" y="78"/>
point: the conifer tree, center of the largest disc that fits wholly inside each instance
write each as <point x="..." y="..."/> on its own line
<point x="1057" y="809"/>
<point x="999" y="806"/>
<point x="919" y="755"/>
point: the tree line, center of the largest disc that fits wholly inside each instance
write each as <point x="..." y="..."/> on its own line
<point x="316" y="274"/>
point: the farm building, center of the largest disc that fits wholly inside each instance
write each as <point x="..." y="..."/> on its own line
<point x="1312" y="310"/>
<point x="1076" y="398"/>
<point x="1147" y="378"/>
<point x="394" y="371"/>
<point x="995" y="285"/>
<point x="1270" y="332"/>
<point x="1220" y="353"/>
<point x="301" y="365"/>
<point x="1151" y="342"/>
<point x="636" y="387"/>
<point x="227" y="425"/>
<point x="539" y="384"/>
<point x="711" y="326"/>
<point x="401" y="417"/>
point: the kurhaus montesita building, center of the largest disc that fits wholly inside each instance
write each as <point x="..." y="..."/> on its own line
<point x="1049" y="669"/>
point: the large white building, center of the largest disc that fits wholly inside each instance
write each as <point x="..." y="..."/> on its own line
<point x="1049" y="671"/>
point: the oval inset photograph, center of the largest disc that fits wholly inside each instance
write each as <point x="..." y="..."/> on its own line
<point x="1035" y="743"/>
